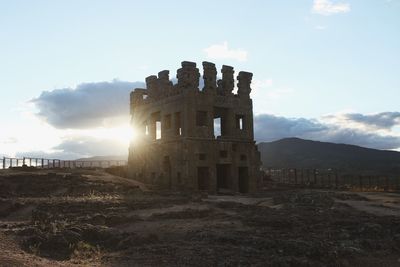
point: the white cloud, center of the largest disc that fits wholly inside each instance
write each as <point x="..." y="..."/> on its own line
<point x="222" y="51"/>
<point x="326" y="7"/>
<point x="88" y="105"/>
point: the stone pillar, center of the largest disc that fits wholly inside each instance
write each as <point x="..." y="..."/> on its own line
<point x="164" y="84"/>
<point x="152" y="128"/>
<point x="244" y="80"/>
<point x="152" y="87"/>
<point x="188" y="76"/>
<point x="210" y="77"/>
<point x="228" y="82"/>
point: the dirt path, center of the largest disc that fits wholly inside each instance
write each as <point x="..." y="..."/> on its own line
<point x="377" y="203"/>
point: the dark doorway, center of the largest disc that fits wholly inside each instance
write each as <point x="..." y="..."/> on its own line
<point x="223" y="176"/>
<point x="203" y="178"/>
<point x="243" y="179"/>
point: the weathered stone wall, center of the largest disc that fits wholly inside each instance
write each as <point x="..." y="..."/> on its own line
<point x="177" y="145"/>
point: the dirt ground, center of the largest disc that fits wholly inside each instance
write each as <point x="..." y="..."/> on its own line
<point x="91" y="218"/>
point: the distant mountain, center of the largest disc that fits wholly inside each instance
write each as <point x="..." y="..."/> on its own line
<point x="299" y="153"/>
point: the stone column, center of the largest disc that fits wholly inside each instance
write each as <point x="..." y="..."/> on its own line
<point x="228" y="82"/>
<point x="188" y="76"/>
<point x="244" y="80"/>
<point x="210" y="77"/>
<point x="164" y="84"/>
<point x="152" y="87"/>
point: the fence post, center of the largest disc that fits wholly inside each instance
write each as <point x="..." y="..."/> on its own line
<point x="302" y="176"/>
<point x="23" y="161"/>
<point x="4" y="163"/>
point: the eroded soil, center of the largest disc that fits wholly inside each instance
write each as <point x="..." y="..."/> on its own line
<point x="92" y="218"/>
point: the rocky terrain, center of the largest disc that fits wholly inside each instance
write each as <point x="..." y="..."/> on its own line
<point x="91" y="218"/>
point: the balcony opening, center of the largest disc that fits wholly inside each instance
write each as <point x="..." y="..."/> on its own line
<point x="220" y="121"/>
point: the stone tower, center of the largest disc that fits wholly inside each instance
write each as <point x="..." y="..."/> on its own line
<point x="195" y="138"/>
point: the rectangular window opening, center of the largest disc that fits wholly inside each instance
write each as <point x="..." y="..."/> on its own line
<point x="240" y="122"/>
<point x="220" y="121"/>
<point x="178" y="125"/>
<point x="217" y="127"/>
<point x="158" y="130"/>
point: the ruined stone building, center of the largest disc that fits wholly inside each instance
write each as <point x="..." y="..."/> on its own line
<point x="195" y="138"/>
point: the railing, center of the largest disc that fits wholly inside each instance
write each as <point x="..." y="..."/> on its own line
<point x="330" y="178"/>
<point x="45" y="163"/>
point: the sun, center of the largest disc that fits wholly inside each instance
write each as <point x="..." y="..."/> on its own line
<point x="124" y="134"/>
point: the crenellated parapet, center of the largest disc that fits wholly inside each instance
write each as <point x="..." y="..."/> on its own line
<point x="188" y="76"/>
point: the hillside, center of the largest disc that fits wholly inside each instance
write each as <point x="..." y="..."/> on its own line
<point x="299" y="153"/>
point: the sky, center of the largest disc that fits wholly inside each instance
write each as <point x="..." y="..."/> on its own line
<point x="323" y="70"/>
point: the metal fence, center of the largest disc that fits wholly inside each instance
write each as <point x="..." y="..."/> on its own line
<point x="330" y="178"/>
<point x="45" y="163"/>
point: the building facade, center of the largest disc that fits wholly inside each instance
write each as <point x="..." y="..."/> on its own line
<point x="195" y="138"/>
